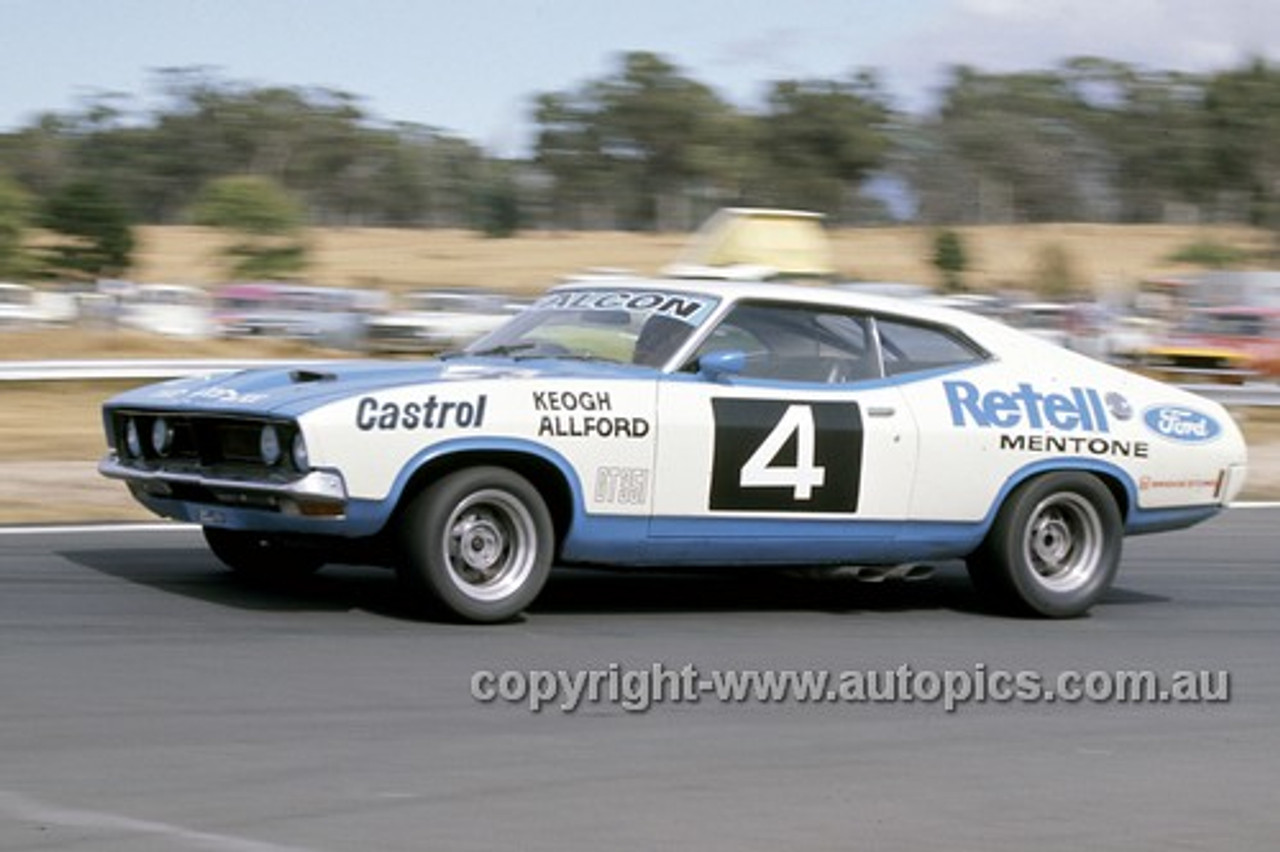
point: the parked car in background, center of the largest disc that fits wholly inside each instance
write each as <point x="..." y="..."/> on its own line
<point x="24" y="306"/>
<point x="894" y="289"/>
<point x="1129" y="336"/>
<point x="1224" y="344"/>
<point x="1049" y="321"/>
<point x="172" y="310"/>
<point x="983" y="304"/>
<point x="326" y="316"/>
<point x="237" y="307"/>
<point x="438" y="320"/>
<point x="17" y="305"/>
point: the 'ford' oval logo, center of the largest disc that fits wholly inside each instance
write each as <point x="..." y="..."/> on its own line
<point x="1180" y="423"/>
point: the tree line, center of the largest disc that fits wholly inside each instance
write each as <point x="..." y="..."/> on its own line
<point x="647" y="146"/>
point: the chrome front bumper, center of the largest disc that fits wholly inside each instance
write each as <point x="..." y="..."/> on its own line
<point x="319" y="493"/>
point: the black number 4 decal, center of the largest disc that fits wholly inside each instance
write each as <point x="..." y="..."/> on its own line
<point x="777" y="455"/>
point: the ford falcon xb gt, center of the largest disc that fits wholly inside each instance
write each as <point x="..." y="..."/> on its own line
<point x="672" y="422"/>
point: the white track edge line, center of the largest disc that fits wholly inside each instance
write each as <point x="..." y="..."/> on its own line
<point x="54" y="529"/>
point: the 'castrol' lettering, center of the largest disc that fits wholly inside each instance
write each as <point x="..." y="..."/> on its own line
<point x="1182" y="424"/>
<point x="1076" y="410"/>
<point x="430" y="413"/>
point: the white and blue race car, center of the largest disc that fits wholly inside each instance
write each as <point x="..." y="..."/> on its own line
<point x="679" y="423"/>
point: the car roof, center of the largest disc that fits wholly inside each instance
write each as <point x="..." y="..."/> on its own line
<point x="991" y="334"/>
<point x="807" y="293"/>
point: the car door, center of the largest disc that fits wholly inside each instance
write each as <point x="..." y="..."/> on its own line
<point x="803" y="442"/>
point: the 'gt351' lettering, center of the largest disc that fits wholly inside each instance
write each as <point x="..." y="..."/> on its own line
<point x="431" y="413"/>
<point x="1079" y="409"/>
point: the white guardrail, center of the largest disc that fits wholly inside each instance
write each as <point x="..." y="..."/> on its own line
<point x="1253" y="394"/>
<point x="100" y="370"/>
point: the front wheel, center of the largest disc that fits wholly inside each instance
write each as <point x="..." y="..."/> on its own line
<point x="480" y="541"/>
<point x="1054" y="547"/>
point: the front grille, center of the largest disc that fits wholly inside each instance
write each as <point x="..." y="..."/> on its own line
<point x="230" y="441"/>
<point x="202" y="441"/>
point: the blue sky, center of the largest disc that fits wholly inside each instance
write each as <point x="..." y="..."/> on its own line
<point x="472" y="66"/>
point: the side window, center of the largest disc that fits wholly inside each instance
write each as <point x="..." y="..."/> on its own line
<point x="909" y="347"/>
<point x="807" y="344"/>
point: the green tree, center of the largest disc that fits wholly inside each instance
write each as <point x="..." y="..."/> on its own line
<point x="39" y="157"/>
<point x="1013" y="148"/>
<point x="819" y="139"/>
<point x="951" y="259"/>
<point x="498" y="205"/>
<point x="15" y="215"/>
<point x="636" y="141"/>
<point x="569" y="149"/>
<point x="648" y="146"/>
<point x="1244" y="117"/>
<point x="265" y="226"/>
<point x="95" y="239"/>
<point x="1152" y="129"/>
<point x="1055" y="276"/>
<point x="1211" y="254"/>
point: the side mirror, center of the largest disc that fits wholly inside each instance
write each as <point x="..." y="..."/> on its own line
<point x="722" y="365"/>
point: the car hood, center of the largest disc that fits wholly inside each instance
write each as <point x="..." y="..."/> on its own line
<point x="292" y="390"/>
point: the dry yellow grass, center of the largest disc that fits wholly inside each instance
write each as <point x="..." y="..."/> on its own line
<point x="1109" y="258"/>
<point x="401" y="259"/>
<point x="397" y="259"/>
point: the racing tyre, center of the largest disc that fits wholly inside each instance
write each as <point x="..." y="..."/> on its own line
<point x="1054" y="547"/>
<point x="480" y="541"/>
<point x="259" y="557"/>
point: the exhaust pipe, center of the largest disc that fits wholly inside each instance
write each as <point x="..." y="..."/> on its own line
<point x="914" y="572"/>
<point x="910" y="572"/>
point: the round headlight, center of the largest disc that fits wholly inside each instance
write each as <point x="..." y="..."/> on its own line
<point x="161" y="436"/>
<point x="132" y="440"/>
<point x="301" y="460"/>
<point x="269" y="445"/>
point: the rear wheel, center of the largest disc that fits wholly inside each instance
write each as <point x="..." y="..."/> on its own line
<point x="258" y="556"/>
<point x="480" y="541"/>
<point x="1054" y="547"/>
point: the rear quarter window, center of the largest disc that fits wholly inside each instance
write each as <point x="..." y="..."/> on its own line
<point x="910" y="347"/>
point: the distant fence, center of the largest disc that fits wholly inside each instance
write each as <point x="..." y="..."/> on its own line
<point x="1254" y="394"/>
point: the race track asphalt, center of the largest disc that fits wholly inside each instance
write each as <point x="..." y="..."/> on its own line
<point x="151" y="701"/>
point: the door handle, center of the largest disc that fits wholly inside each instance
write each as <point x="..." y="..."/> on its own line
<point x="881" y="411"/>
